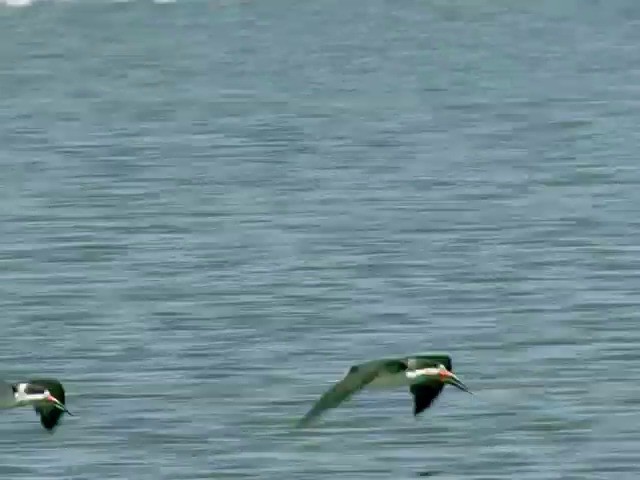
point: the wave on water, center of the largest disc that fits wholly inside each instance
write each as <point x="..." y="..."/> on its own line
<point x="16" y="3"/>
<point x="27" y="3"/>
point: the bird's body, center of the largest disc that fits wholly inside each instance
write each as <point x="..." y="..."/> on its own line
<point x="46" y="396"/>
<point x="424" y="375"/>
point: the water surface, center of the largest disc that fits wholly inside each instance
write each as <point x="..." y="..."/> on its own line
<point x="209" y="210"/>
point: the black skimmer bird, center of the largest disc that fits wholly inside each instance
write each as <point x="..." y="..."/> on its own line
<point x="424" y="375"/>
<point x="46" y="396"/>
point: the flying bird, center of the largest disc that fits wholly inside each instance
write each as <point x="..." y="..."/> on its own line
<point x="425" y="375"/>
<point x="46" y="396"/>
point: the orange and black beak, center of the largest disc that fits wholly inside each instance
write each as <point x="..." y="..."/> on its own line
<point x="58" y="404"/>
<point x="451" y="379"/>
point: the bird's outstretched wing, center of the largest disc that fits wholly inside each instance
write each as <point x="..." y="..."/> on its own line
<point x="424" y="394"/>
<point x="49" y="414"/>
<point x="7" y="392"/>
<point x="355" y="380"/>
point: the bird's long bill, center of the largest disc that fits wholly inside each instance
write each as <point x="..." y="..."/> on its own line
<point x="59" y="405"/>
<point x="452" y="379"/>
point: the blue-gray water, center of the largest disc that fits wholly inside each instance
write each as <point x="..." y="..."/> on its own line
<point x="210" y="210"/>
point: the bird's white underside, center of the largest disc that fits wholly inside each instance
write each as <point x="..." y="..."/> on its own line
<point x="402" y="379"/>
<point x="8" y="399"/>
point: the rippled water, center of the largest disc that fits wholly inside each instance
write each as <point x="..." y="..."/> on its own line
<point x="210" y="210"/>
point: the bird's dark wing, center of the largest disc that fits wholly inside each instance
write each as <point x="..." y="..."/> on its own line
<point x="424" y="394"/>
<point x="355" y="380"/>
<point x="49" y="414"/>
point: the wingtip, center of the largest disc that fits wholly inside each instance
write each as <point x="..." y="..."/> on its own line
<point x="50" y="429"/>
<point x="303" y="422"/>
